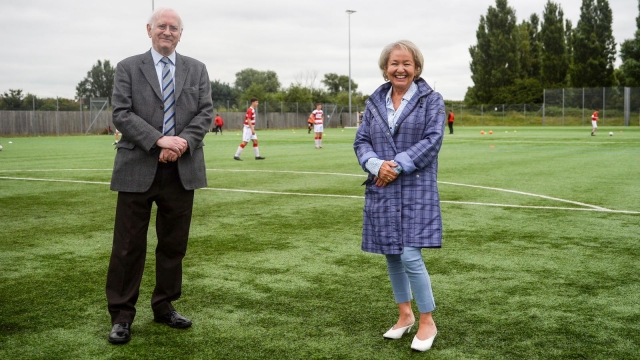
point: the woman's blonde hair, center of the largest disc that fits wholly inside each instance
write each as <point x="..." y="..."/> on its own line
<point x="402" y="45"/>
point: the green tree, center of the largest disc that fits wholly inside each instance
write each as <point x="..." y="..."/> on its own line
<point x="529" y="47"/>
<point x="332" y="83"/>
<point x="321" y="96"/>
<point x="522" y="91"/>
<point x="248" y="77"/>
<point x="68" y="104"/>
<point x="629" y="72"/>
<point x="12" y="100"/>
<point x="222" y="92"/>
<point x="254" y="90"/>
<point x="594" y="47"/>
<point x="494" y="59"/>
<point x="30" y="100"/>
<point x="338" y="83"/>
<point x="98" y="82"/>
<point x="48" y="105"/>
<point x="555" y="60"/>
<point x="568" y="40"/>
<point x="53" y="104"/>
<point x="299" y="94"/>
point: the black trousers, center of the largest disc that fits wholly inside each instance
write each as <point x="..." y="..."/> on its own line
<point x="450" y="128"/>
<point x="173" y="220"/>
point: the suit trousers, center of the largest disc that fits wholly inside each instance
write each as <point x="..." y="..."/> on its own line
<point x="173" y="219"/>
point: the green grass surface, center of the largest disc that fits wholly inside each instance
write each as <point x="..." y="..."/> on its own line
<point x="274" y="270"/>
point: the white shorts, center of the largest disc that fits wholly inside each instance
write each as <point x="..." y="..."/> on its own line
<point x="247" y="135"/>
<point x="594" y="124"/>
<point x="318" y="128"/>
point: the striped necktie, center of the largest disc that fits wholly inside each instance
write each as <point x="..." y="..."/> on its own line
<point x="168" y="92"/>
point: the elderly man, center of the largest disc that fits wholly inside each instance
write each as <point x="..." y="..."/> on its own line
<point x="162" y="106"/>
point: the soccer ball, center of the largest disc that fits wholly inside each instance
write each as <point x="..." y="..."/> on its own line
<point x="610" y="133"/>
<point x="0" y="147"/>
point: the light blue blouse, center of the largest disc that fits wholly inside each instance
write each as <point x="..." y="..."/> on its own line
<point x="374" y="164"/>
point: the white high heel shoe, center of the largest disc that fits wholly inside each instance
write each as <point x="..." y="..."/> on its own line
<point x="395" y="334"/>
<point x="422" y="345"/>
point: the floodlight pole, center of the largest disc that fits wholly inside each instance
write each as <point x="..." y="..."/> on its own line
<point x="152" y="7"/>
<point x="349" y="12"/>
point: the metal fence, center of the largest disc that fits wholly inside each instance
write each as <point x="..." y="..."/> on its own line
<point x="617" y="106"/>
<point x="496" y="114"/>
<point x="561" y="107"/>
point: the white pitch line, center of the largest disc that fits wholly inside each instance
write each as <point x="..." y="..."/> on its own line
<point x="53" y="170"/>
<point x="442" y="182"/>
<point x="527" y="194"/>
<point x="345" y="196"/>
<point x="590" y="207"/>
<point x="542" y="207"/>
<point x="291" y="172"/>
<point x="284" y="193"/>
<point x="56" y="180"/>
<point x="499" y="140"/>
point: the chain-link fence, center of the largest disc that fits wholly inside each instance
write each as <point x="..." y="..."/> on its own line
<point x="617" y="106"/>
<point x="562" y="107"/>
<point x="496" y="114"/>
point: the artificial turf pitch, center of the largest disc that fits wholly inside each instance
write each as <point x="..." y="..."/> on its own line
<point x="540" y="257"/>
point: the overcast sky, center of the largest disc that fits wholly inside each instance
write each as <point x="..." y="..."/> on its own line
<point x="52" y="44"/>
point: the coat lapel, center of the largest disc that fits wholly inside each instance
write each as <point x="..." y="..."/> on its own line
<point x="407" y="109"/>
<point x="148" y="69"/>
<point x="379" y="111"/>
<point x="181" y="74"/>
<point x="413" y="102"/>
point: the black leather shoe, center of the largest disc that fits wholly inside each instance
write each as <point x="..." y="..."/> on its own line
<point x="120" y="333"/>
<point x="174" y="320"/>
<point x="237" y="158"/>
<point x="259" y="158"/>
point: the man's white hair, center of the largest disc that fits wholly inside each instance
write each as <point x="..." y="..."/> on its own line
<point x="158" y="12"/>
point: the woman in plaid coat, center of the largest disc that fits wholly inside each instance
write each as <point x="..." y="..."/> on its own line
<point x="398" y="144"/>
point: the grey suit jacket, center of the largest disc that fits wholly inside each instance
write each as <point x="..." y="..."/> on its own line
<point x="138" y="114"/>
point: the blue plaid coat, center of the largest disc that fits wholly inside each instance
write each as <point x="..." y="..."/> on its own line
<point x="407" y="211"/>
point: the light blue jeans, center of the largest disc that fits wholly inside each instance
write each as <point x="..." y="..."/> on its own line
<point x="407" y="272"/>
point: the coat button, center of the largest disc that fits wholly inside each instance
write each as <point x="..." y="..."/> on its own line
<point x="417" y="176"/>
<point x="161" y="107"/>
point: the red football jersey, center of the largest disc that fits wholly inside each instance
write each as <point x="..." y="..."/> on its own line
<point x="250" y="116"/>
<point x="318" y="115"/>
